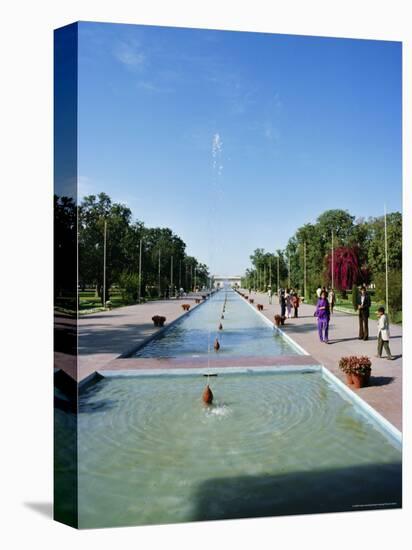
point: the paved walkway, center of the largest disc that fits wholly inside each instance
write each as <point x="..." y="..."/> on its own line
<point x="105" y="335"/>
<point x="384" y="392"/>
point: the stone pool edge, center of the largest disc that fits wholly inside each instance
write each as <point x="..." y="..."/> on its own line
<point x="294" y="344"/>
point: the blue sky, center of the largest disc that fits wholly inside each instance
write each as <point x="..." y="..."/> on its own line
<point x="234" y="140"/>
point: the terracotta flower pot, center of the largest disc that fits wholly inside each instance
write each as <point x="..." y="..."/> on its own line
<point x="359" y="380"/>
<point x="349" y="379"/>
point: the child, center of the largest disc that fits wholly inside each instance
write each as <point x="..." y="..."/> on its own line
<point x="383" y="333"/>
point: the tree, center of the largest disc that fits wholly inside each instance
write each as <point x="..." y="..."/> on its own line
<point x="65" y="251"/>
<point x="340" y="221"/>
<point x="123" y="252"/>
<point x="93" y="213"/>
<point x="376" y="244"/>
<point x="346" y="269"/>
<point x="395" y="291"/>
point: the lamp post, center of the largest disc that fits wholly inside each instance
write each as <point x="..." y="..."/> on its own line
<point x="289" y="269"/>
<point x="304" y="270"/>
<point x="140" y="271"/>
<point x="333" y="263"/>
<point x="278" y="278"/>
<point x="104" y="262"/>
<point x="270" y="273"/>
<point x="386" y="263"/>
<point x="159" y="273"/>
<point x="171" y="276"/>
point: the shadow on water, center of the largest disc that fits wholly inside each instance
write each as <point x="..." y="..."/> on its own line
<point x="88" y="398"/>
<point x="369" y="487"/>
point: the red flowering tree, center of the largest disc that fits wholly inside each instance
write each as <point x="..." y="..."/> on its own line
<point x="346" y="268"/>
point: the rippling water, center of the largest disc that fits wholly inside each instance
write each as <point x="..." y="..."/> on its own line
<point x="151" y="452"/>
<point x="244" y="332"/>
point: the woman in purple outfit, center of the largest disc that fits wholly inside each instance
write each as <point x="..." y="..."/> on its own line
<point x="322" y="312"/>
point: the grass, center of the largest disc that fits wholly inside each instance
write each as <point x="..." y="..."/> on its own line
<point x="90" y="303"/>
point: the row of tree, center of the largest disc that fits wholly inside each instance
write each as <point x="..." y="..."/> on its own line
<point x="164" y="262"/>
<point x="358" y="256"/>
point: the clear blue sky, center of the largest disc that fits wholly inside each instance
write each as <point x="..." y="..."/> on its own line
<point x="234" y="140"/>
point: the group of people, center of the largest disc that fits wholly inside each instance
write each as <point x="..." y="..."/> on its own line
<point x="324" y="309"/>
<point x="288" y="300"/>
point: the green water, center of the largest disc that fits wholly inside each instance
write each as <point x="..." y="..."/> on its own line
<point x="151" y="452"/>
<point x="244" y="333"/>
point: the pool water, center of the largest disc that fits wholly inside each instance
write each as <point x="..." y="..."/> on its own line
<point x="149" y="451"/>
<point x="245" y="332"/>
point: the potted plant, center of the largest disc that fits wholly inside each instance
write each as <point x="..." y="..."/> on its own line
<point x="361" y="372"/>
<point x="251" y="300"/>
<point x="158" y="320"/>
<point x="357" y="370"/>
<point x="185" y="307"/>
<point x="278" y="320"/>
<point x="345" y="365"/>
<point x="259" y="307"/>
<point x="108" y="304"/>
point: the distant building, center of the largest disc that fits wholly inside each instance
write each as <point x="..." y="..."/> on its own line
<point x="219" y="280"/>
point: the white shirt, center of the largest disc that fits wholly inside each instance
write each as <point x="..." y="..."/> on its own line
<point x="383" y="327"/>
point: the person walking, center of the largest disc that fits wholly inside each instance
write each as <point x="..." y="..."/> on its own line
<point x="322" y="312"/>
<point x="331" y="300"/>
<point x="288" y="298"/>
<point x="318" y="291"/>
<point x="364" y="304"/>
<point x="383" y="333"/>
<point x="295" y="304"/>
<point x="270" y="295"/>
<point x="282" y="302"/>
